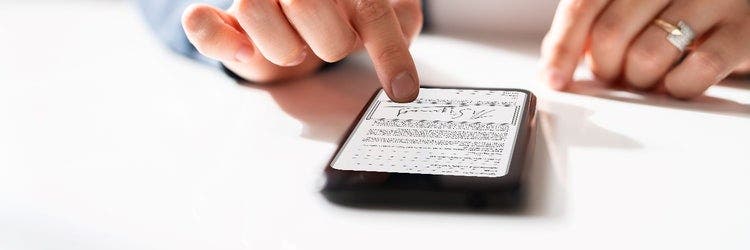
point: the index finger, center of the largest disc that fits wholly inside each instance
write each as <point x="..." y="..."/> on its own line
<point x="380" y="31"/>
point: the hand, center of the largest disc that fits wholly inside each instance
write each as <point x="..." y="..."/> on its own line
<point x="271" y="40"/>
<point x="621" y="43"/>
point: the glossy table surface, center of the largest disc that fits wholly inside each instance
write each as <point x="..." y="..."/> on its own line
<point x="107" y="141"/>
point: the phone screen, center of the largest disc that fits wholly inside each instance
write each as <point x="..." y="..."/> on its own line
<point x="459" y="132"/>
<point x="449" y="142"/>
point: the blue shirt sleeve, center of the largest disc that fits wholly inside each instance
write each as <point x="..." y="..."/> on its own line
<point x="164" y="18"/>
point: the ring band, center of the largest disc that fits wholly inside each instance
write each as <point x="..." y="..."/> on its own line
<point x="681" y="36"/>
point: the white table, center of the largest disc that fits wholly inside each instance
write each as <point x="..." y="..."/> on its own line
<point x="107" y="141"/>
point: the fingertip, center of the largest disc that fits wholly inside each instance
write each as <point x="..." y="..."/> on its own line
<point x="675" y="85"/>
<point x="404" y="88"/>
<point x="682" y="94"/>
<point x="193" y="15"/>
<point x="291" y="58"/>
<point x="301" y="57"/>
<point x="555" y="79"/>
<point x="211" y="32"/>
<point x="190" y="10"/>
<point x="556" y="69"/>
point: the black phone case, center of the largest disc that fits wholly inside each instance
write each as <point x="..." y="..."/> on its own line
<point x="381" y="189"/>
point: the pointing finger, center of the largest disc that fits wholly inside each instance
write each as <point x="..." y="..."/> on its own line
<point x="384" y="40"/>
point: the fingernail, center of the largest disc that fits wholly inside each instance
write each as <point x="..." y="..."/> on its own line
<point x="403" y="87"/>
<point x="244" y="54"/>
<point x="301" y="58"/>
<point x="555" y="79"/>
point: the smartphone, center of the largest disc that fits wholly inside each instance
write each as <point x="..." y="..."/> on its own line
<point x="451" y="147"/>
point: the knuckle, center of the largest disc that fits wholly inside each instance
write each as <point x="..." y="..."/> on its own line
<point x="645" y="56"/>
<point x="607" y="31"/>
<point x="371" y="11"/>
<point x="337" y="53"/>
<point x="606" y="49"/>
<point x="390" y="54"/>
<point x="643" y="66"/>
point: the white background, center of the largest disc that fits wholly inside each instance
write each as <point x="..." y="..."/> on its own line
<point x="107" y="141"/>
